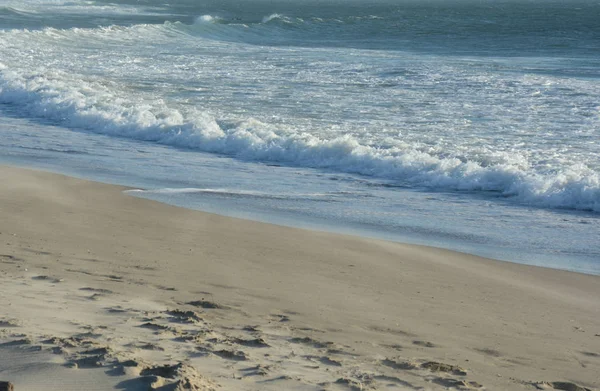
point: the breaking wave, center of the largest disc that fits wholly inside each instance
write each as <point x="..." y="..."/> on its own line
<point x="95" y="107"/>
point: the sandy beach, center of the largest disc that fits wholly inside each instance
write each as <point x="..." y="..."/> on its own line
<point x="102" y="290"/>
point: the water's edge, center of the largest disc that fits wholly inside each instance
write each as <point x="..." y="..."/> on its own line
<point x="273" y="219"/>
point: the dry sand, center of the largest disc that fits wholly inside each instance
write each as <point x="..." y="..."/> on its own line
<point x="101" y="290"/>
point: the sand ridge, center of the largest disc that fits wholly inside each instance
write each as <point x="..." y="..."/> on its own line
<point x="134" y="295"/>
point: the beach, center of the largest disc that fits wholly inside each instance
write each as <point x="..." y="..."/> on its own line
<point x="102" y="290"/>
<point x="299" y="195"/>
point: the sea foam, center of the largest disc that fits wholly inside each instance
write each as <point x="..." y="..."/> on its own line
<point x="92" y="106"/>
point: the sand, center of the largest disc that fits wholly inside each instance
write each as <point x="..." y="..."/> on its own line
<point x="101" y="290"/>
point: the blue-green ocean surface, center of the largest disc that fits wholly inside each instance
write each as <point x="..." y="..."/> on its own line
<point x="472" y="125"/>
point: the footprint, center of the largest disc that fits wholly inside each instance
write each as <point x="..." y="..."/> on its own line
<point x="280" y="317"/>
<point x="86" y="362"/>
<point x="205" y="304"/>
<point x="18" y="342"/>
<point x="434" y="366"/>
<point x="324" y="360"/>
<point x="312" y="342"/>
<point x="558" y="385"/>
<point x="395" y="347"/>
<point x="391" y="331"/>
<point x="455" y="383"/>
<point x="12" y="258"/>
<point x="98" y="351"/>
<point x="154" y="326"/>
<point x="399" y="365"/>
<point x="11" y="323"/>
<point x="425" y="344"/>
<point x="96" y="290"/>
<point x="393" y="379"/>
<point x="489" y="352"/>
<point x="167" y="371"/>
<point x="48" y="278"/>
<point x="258" y="370"/>
<point x="342" y="353"/>
<point x="150" y="346"/>
<point x="184" y="316"/>
<point x="115" y="310"/>
<point x="231" y="355"/>
<point x="351" y="384"/>
<point x="253" y="343"/>
<point x="166" y="288"/>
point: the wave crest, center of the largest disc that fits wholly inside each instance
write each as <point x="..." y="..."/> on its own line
<point x="96" y="107"/>
<point x="207" y="19"/>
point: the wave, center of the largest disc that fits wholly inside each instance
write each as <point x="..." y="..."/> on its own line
<point x="12" y="17"/>
<point x="11" y="11"/>
<point x="271" y="17"/>
<point x="278" y="29"/>
<point x="97" y="107"/>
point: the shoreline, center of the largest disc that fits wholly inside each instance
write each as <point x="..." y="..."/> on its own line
<point x="321" y="226"/>
<point x="334" y="311"/>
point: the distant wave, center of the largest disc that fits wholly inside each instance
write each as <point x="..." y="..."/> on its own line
<point x="207" y="19"/>
<point x="11" y="11"/>
<point x="94" y="107"/>
<point x="13" y="16"/>
<point x="271" y="17"/>
<point x="277" y="29"/>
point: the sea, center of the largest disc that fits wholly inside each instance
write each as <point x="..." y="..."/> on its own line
<point x="472" y="125"/>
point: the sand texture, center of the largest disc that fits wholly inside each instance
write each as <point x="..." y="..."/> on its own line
<point x="101" y="290"/>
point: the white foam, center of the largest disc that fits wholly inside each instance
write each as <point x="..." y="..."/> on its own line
<point x="271" y="17"/>
<point x="206" y="19"/>
<point x="104" y="104"/>
<point x="99" y="110"/>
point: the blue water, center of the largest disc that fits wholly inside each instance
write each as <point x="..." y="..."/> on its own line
<point x="470" y="125"/>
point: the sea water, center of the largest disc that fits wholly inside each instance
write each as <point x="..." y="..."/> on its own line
<point x="470" y="125"/>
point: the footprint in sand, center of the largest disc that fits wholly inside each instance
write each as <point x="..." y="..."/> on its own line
<point x="184" y="316"/>
<point x="489" y="352"/>
<point x="393" y="380"/>
<point x="258" y="370"/>
<point x="324" y="360"/>
<point x="206" y="304"/>
<point x="434" y="366"/>
<point x="231" y="355"/>
<point x="48" y="278"/>
<point x="350" y="384"/>
<point x="458" y="384"/>
<point x="96" y="290"/>
<point x="10" y="323"/>
<point x="150" y="346"/>
<point x="11" y="259"/>
<point x="252" y="343"/>
<point x="557" y="385"/>
<point x="312" y="342"/>
<point x="18" y="342"/>
<point x="116" y="310"/>
<point x="280" y="317"/>
<point x="403" y="365"/>
<point x="425" y="344"/>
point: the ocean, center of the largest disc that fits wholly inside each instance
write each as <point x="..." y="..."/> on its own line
<point x="462" y="124"/>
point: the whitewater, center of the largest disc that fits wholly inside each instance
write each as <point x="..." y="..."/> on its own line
<point x="467" y="125"/>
